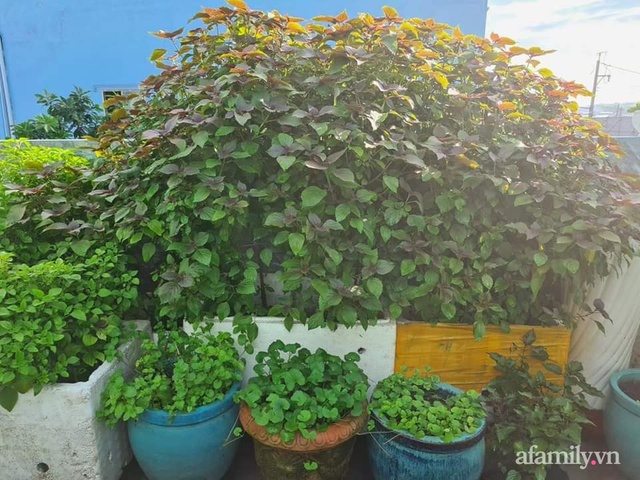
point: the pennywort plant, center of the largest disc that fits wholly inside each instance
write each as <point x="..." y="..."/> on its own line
<point x="176" y="374"/>
<point x="297" y="392"/>
<point x="416" y="406"/>
<point x="379" y="166"/>
<point x="59" y="321"/>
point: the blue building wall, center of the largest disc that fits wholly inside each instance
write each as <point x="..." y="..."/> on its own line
<point x="104" y="44"/>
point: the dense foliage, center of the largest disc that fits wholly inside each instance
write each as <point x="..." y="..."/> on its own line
<point x="380" y="166"/>
<point x="58" y="320"/>
<point x="18" y="156"/>
<point x="177" y="374"/>
<point x="74" y="116"/>
<point x="529" y="410"/>
<point x="416" y="406"/>
<point x="296" y="392"/>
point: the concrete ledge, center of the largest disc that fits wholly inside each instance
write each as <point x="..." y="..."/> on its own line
<point x="55" y="434"/>
<point x="376" y="345"/>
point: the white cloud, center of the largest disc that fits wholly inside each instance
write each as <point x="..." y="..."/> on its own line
<point x="578" y="30"/>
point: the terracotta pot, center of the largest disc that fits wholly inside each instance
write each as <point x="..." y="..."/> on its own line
<point x="331" y="450"/>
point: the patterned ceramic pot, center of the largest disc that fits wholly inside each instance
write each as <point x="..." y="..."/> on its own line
<point x="331" y="450"/>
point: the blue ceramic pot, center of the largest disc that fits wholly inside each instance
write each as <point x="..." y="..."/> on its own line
<point x="622" y="423"/>
<point x="194" y="446"/>
<point x="396" y="455"/>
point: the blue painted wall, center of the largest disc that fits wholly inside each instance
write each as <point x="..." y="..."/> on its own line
<point x="56" y="44"/>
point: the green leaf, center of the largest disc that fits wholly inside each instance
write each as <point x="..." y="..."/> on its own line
<point x="285" y="161"/>
<point x="487" y="281"/>
<point x="342" y="212"/>
<point x="223" y="311"/>
<point x="203" y="256"/>
<point x="523" y="199"/>
<point x="374" y="285"/>
<point x="103" y="293"/>
<point x="395" y="311"/>
<point x="80" y="247"/>
<point x="155" y="226"/>
<point x="285" y="139"/>
<point x="79" y="315"/>
<point x="200" y="138"/>
<point x="157" y="54"/>
<point x="540" y="259"/>
<point x="392" y="183"/>
<point x="296" y="242"/>
<point x="347" y="315"/>
<point x="8" y="398"/>
<point x="88" y="339"/>
<point x="448" y="310"/>
<point x="312" y="196"/>
<point x="479" y="330"/>
<point x="224" y="130"/>
<point x="201" y="193"/>
<point x="553" y="368"/>
<point x="609" y="235"/>
<point x="345" y="175"/>
<point x="572" y="265"/>
<point x="148" y="251"/>
<point x="266" y="255"/>
<point x="408" y="266"/>
<point x="383" y="267"/>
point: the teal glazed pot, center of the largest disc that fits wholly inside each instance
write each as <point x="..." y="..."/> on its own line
<point x="395" y="455"/>
<point x="622" y="423"/>
<point x="194" y="446"/>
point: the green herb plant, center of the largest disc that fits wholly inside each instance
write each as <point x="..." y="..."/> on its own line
<point x="59" y="321"/>
<point x="296" y="392"/>
<point x="417" y="407"/>
<point x="176" y="374"/>
<point x="527" y="409"/>
<point x="378" y="166"/>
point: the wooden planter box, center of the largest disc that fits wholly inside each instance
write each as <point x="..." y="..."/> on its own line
<point x="452" y="352"/>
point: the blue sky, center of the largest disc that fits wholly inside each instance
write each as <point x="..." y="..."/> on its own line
<point x="578" y="30"/>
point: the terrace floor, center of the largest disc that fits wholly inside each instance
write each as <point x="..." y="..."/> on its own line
<point x="244" y="467"/>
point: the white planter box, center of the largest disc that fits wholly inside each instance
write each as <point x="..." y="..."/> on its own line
<point x="56" y="436"/>
<point x="376" y="345"/>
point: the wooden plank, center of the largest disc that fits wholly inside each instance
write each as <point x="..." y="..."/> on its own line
<point x="459" y="359"/>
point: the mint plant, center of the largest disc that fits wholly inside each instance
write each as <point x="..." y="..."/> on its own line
<point x="299" y="392"/>
<point x="416" y="406"/>
<point x="176" y="374"/>
<point x="528" y="409"/>
<point x="59" y="321"/>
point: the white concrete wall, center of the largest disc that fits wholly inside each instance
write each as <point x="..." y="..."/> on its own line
<point x="377" y="344"/>
<point x="57" y="430"/>
<point x="604" y="354"/>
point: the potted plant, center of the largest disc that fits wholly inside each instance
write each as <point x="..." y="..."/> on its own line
<point x="423" y="429"/>
<point x="62" y="335"/>
<point x="303" y="411"/>
<point x="179" y="407"/>
<point x="622" y="419"/>
<point x="530" y="412"/>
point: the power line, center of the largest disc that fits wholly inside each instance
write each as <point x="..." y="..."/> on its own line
<point x="620" y="68"/>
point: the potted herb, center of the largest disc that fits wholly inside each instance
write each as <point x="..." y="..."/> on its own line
<point x="179" y="408"/>
<point x="303" y="411"/>
<point x="622" y="419"/>
<point x="62" y="335"/>
<point x="530" y="412"/>
<point x="423" y="429"/>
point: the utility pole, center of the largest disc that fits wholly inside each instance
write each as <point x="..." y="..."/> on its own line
<point x="596" y="80"/>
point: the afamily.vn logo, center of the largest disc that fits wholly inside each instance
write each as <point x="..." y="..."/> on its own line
<point x="574" y="456"/>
